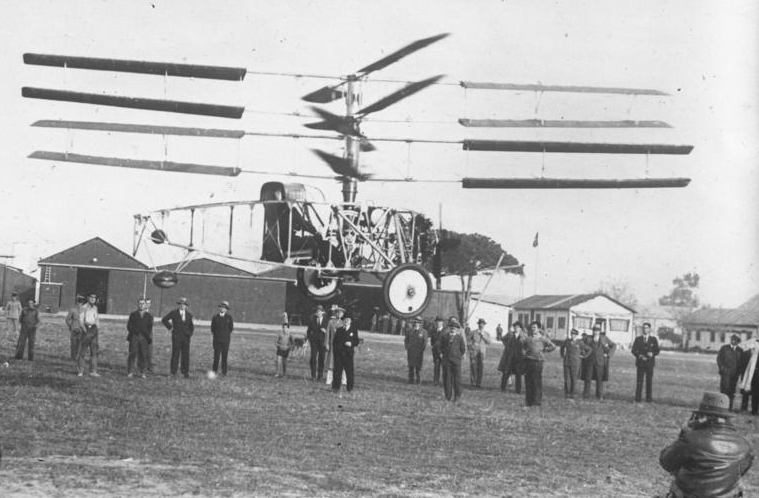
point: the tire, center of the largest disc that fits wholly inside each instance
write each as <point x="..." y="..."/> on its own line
<point x="407" y="290"/>
<point x="316" y="288"/>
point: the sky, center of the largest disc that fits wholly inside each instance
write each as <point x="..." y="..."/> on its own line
<point x="702" y="53"/>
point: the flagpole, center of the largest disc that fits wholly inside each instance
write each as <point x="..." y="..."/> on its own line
<point x="536" y="245"/>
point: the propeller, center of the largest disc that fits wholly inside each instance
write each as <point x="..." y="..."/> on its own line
<point x="329" y="94"/>
<point x="398" y="95"/>
<point x="342" y="166"/>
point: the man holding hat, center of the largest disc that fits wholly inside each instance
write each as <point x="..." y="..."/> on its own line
<point x="437" y="355"/>
<point x="453" y="347"/>
<point x="316" y="333"/>
<point x="221" y="329"/>
<point x="477" y="344"/>
<point x="179" y="323"/>
<point x="710" y="456"/>
<point x="415" y="340"/>
<point x="728" y="362"/>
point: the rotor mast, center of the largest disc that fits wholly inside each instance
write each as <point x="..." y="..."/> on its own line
<point x="352" y="144"/>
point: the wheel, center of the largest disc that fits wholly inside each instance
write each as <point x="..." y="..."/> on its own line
<point x="319" y="285"/>
<point x="407" y="290"/>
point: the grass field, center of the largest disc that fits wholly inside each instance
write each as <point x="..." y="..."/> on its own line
<point x="252" y="435"/>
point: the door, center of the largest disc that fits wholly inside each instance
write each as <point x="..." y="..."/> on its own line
<point x="89" y="281"/>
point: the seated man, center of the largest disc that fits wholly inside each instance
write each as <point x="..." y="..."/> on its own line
<point x="710" y="456"/>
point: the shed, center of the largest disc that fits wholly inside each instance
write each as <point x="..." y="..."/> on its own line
<point x="710" y="328"/>
<point x="15" y="280"/>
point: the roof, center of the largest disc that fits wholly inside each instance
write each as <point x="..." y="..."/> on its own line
<point x="94" y="252"/>
<point x="561" y="302"/>
<point x="745" y="314"/>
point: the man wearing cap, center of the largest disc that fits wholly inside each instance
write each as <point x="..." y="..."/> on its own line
<point x="29" y="319"/>
<point x="596" y="363"/>
<point x="316" y="333"/>
<point x="12" y="311"/>
<point x="728" y="361"/>
<point x="435" y="347"/>
<point x="645" y="348"/>
<point x="75" y="326"/>
<point x="415" y="340"/>
<point x="477" y="343"/>
<point x="573" y="350"/>
<point x="710" y="456"/>
<point x="453" y="347"/>
<point x="511" y="359"/>
<point x="344" y="343"/>
<point x="533" y="346"/>
<point x="139" y="335"/>
<point x="179" y="322"/>
<point x="335" y="321"/>
<point x="89" y="318"/>
<point x="221" y="329"/>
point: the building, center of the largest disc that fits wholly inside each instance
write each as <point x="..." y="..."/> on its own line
<point x="494" y="310"/>
<point x="14" y="280"/>
<point x="710" y="328"/>
<point x="560" y="314"/>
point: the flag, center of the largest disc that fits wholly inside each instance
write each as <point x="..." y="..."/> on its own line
<point x="535" y="242"/>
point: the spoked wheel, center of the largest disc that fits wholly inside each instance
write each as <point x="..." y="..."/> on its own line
<point x="319" y="284"/>
<point x="407" y="290"/>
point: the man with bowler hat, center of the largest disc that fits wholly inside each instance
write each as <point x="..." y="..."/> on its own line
<point x="415" y="340"/>
<point x="453" y="347"/>
<point x="728" y="362"/>
<point x="179" y="323"/>
<point x="316" y="333"/>
<point x="221" y="329"/>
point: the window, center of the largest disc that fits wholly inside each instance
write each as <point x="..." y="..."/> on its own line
<point x="748" y="335"/>
<point x="537" y="318"/>
<point x="562" y="323"/>
<point x="524" y="319"/>
<point x="722" y="337"/>
<point x="698" y="335"/>
<point x="712" y="336"/>
<point x="582" y="322"/>
<point x="549" y="322"/>
<point x="619" y="325"/>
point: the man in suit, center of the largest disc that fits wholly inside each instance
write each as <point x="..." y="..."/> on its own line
<point x="645" y="348"/>
<point x="179" y="323"/>
<point x="453" y="346"/>
<point x="437" y="355"/>
<point x="511" y="359"/>
<point x="222" y="325"/>
<point x="477" y="345"/>
<point x="344" y="343"/>
<point x="316" y="333"/>
<point x="139" y="335"/>
<point x="728" y="361"/>
<point x="573" y="350"/>
<point x="415" y="340"/>
<point x="601" y="350"/>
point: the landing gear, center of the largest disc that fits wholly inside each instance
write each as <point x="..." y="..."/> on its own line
<point x="407" y="290"/>
<point x="319" y="284"/>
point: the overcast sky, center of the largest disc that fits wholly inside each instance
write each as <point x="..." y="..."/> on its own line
<point x="702" y="53"/>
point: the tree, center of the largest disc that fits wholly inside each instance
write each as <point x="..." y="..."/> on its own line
<point x="684" y="293"/>
<point x="466" y="255"/>
<point x="619" y="290"/>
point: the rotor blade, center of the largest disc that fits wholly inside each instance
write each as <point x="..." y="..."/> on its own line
<point x="324" y="95"/>
<point x="399" y="54"/>
<point x="576" y="147"/>
<point x="136" y="163"/>
<point x="143" y="67"/>
<point x="548" y="123"/>
<point x="572" y="183"/>
<point x="404" y="92"/>
<point x="559" y="88"/>
<point x="138" y="128"/>
<point x="340" y="165"/>
<point x="223" y="111"/>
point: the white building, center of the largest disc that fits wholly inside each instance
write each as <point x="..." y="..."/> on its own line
<point x="560" y="314"/>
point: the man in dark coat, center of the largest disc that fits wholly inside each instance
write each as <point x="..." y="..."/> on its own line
<point x="437" y="355"/>
<point x="29" y="320"/>
<point x="179" y="323"/>
<point x="511" y="360"/>
<point x="573" y="350"/>
<point x="596" y="363"/>
<point x="139" y="336"/>
<point x="415" y="340"/>
<point x="728" y="362"/>
<point x="343" y="346"/>
<point x="645" y="348"/>
<point x="710" y="456"/>
<point x="453" y="346"/>
<point x="316" y="333"/>
<point x="222" y="325"/>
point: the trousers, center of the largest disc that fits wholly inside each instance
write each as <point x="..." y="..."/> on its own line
<point x="88" y="341"/>
<point x="180" y="349"/>
<point x="26" y="336"/>
<point x="646" y="371"/>
<point x="138" y="349"/>
<point x="476" y="368"/>
<point x="533" y="382"/>
<point x="452" y="380"/>
<point x="220" y="350"/>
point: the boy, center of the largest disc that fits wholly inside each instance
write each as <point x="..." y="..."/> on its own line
<point x="284" y="345"/>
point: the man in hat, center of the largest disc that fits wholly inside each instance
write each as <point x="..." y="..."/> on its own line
<point x="344" y="343"/>
<point x="179" y="322"/>
<point x="511" y="362"/>
<point x="75" y="326"/>
<point x="477" y="344"/>
<point x="335" y="321"/>
<point x="453" y="347"/>
<point x="534" y="345"/>
<point x="415" y="340"/>
<point x="89" y="318"/>
<point x="29" y="319"/>
<point x="596" y="362"/>
<point x="573" y="350"/>
<point x="435" y="347"/>
<point x="728" y="362"/>
<point x="221" y="329"/>
<point x="645" y="348"/>
<point x="12" y="311"/>
<point x="710" y="456"/>
<point x="316" y="333"/>
<point x="139" y="336"/>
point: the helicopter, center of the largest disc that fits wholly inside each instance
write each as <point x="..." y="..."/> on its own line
<point x="291" y="225"/>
